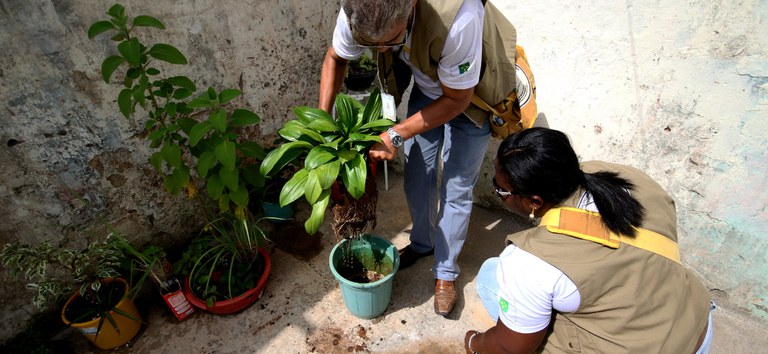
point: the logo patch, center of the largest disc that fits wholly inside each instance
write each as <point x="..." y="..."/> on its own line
<point x="504" y="305"/>
<point x="463" y="68"/>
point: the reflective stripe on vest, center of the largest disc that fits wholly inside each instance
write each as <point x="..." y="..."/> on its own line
<point x="589" y="226"/>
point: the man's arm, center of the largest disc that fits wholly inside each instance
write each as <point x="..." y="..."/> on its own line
<point x="501" y="339"/>
<point x="331" y="78"/>
<point x="443" y="109"/>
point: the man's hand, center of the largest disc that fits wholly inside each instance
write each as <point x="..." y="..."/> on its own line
<point x="383" y="150"/>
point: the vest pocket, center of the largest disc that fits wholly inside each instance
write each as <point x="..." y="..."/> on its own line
<point x="564" y="337"/>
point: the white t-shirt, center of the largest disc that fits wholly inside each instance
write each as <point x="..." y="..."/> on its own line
<point x="529" y="288"/>
<point x="459" y="66"/>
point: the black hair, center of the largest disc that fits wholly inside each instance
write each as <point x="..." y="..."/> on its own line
<point x="541" y="161"/>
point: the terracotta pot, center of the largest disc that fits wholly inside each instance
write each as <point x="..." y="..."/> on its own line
<point x="236" y="303"/>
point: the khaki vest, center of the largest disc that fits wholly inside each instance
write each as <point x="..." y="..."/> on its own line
<point x="632" y="300"/>
<point x="430" y="28"/>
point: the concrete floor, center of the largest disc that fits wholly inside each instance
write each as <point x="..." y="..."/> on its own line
<point x="302" y="311"/>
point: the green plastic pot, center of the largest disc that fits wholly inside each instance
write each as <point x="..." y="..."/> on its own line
<point x="366" y="300"/>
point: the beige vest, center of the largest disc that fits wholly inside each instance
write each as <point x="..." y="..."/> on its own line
<point x="632" y="300"/>
<point x="430" y="28"/>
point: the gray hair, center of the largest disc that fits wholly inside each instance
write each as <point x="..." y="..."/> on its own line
<point x="373" y="19"/>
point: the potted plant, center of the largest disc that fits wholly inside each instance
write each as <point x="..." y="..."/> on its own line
<point x="197" y="135"/>
<point x="334" y="154"/>
<point x="151" y="263"/>
<point x="227" y="265"/>
<point x="361" y="72"/>
<point x="101" y="308"/>
<point x="270" y="196"/>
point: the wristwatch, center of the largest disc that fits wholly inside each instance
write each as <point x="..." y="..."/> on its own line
<point x="397" y="140"/>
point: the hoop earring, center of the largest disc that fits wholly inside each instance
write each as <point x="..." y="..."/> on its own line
<point x="531" y="216"/>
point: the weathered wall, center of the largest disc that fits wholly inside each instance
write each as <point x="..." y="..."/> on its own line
<point x="62" y="134"/>
<point x="678" y="89"/>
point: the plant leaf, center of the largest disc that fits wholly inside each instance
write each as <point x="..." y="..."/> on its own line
<point x="242" y="117"/>
<point x="346" y="115"/>
<point x="252" y="149"/>
<point x="294" y="188"/>
<point x="312" y="188"/>
<point x="171" y="154"/>
<point x="225" y="153"/>
<point x="214" y="186"/>
<point x="109" y="65"/>
<point x="275" y="157"/>
<point x="318" y="156"/>
<point x="354" y="176"/>
<point x="308" y="115"/>
<point x="230" y="178"/>
<point x="378" y="125"/>
<point x="205" y="162"/>
<point x="218" y="119"/>
<point x="328" y="173"/>
<point x="167" y="53"/>
<point x="239" y="196"/>
<point x="372" y="110"/>
<point x="318" y="213"/>
<point x="125" y="102"/>
<point x="157" y="161"/>
<point x="200" y="101"/>
<point x="116" y="10"/>
<point x="323" y="126"/>
<point x="131" y="51"/>
<point x="147" y="21"/>
<point x="228" y="95"/>
<point x="100" y="27"/>
<point x="182" y="81"/>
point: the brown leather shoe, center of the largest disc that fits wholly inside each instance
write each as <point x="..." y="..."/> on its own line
<point x="445" y="297"/>
<point x="408" y="256"/>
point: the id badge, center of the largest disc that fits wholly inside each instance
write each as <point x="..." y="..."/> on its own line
<point x="388" y="109"/>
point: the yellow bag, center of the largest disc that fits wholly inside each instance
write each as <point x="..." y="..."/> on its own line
<point x="518" y="110"/>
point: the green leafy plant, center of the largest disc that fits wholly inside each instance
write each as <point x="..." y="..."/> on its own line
<point x="53" y="272"/>
<point x="147" y="263"/>
<point x="364" y="64"/>
<point x="224" y="261"/>
<point x="210" y="145"/>
<point x="331" y="149"/>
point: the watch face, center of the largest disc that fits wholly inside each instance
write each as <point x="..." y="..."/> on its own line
<point x="397" y="140"/>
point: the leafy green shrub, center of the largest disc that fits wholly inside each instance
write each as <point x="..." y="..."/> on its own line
<point x="227" y="165"/>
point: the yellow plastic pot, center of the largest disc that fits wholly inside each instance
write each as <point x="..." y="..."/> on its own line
<point x="108" y="337"/>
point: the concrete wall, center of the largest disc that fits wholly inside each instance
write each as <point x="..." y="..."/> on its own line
<point x="62" y="134"/>
<point x="676" y="88"/>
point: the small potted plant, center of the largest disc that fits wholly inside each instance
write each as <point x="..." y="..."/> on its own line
<point x="151" y="263"/>
<point x="227" y="264"/>
<point x="361" y="72"/>
<point x="100" y="308"/>
<point x="334" y="156"/>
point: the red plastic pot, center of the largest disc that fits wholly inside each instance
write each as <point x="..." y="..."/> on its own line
<point x="236" y="303"/>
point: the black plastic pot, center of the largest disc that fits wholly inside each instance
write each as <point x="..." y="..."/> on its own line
<point x="359" y="81"/>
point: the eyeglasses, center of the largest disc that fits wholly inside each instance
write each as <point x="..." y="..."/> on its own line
<point x="500" y="192"/>
<point x="397" y="42"/>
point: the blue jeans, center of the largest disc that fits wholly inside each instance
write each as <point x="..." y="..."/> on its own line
<point x="440" y="201"/>
<point x="488" y="290"/>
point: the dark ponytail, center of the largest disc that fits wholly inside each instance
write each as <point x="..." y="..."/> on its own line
<point x="541" y="161"/>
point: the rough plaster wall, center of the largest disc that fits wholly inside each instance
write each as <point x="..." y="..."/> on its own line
<point x="678" y="89"/>
<point x="62" y="134"/>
